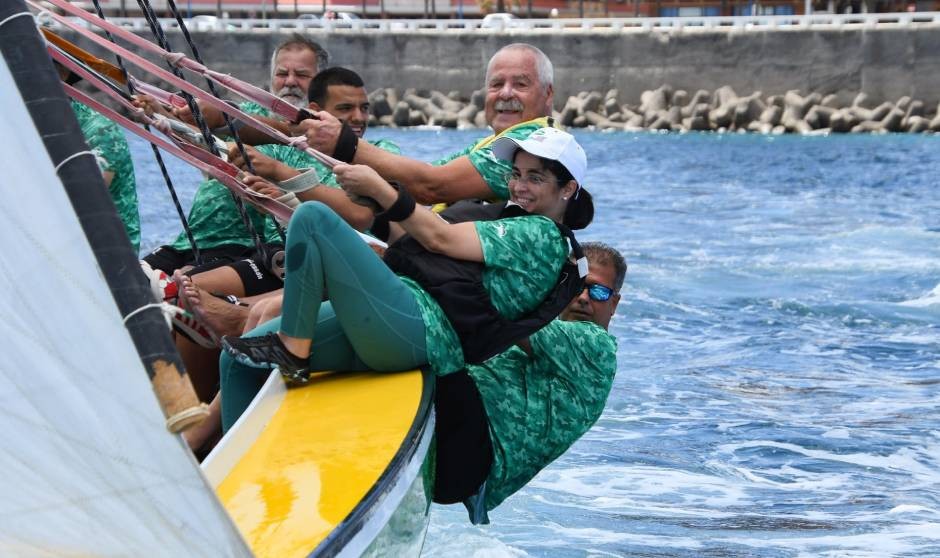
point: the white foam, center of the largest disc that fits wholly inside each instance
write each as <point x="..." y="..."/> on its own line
<point x="930" y="299"/>
<point x="450" y="534"/>
<point x="620" y="488"/>
<point x="905" y="460"/>
<point x="912" y="508"/>
<point x="898" y="540"/>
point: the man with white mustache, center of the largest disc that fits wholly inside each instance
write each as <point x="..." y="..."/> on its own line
<point x="519" y="96"/>
<point x="293" y="65"/>
<point x="216" y="225"/>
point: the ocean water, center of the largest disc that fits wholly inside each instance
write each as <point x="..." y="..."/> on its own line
<point x="778" y="385"/>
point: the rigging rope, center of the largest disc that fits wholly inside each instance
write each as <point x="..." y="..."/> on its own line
<point x="228" y="122"/>
<point x="162" y="41"/>
<point x="229" y="82"/>
<point x="221" y="170"/>
<point x="197" y="255"/>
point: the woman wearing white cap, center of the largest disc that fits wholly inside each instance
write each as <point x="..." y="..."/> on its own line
<point x="451" y="292"/>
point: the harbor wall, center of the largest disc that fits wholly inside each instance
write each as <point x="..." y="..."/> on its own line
<point x="884" y="63"/>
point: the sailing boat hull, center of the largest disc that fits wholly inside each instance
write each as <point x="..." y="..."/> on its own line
<point x="340" y="467"/>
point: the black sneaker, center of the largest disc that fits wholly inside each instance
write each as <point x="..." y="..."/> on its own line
<point x="268" y="351"/>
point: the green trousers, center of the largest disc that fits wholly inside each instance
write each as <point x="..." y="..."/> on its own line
<point x="371" y="321"/>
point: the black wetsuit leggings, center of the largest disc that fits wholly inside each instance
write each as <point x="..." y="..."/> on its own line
<point x="464" y="448"/>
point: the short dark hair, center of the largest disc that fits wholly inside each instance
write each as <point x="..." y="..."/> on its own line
<point x="336" y="75"/>
<point x="604" y="254"/>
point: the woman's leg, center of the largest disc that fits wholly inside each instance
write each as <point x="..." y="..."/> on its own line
<point x="377" y="311"/>
<point x="240" y="383"/>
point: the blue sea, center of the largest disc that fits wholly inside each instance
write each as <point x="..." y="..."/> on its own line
<point x="778" y="386"/>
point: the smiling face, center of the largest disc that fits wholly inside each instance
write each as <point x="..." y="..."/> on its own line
<point x="536" y="189"/>
<point x="584" y="308"/>
<point x="513" y="91"/>
<point x="293" y="69"/>
<point x="348" y="103"/>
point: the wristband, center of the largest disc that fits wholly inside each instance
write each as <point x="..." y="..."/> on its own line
<point x="403" y="207"/>
<point x="380" y="227"/>
<point x="306" y="180"/>
<point x="346" y="144"/>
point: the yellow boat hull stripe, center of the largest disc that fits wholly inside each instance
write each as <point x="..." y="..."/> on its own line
<point x="321" y="452"/>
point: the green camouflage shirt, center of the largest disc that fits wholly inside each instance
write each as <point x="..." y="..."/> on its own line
<point x="110" y="147"/>
<point x="539" y="406"/>
<point x="492" y="168"/>
<point x="522" y="258"/>
<point x="214" y="218"/>
<point x="299" y="160"/>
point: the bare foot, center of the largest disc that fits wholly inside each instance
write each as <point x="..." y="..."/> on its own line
<point x="181" y="279"/>
<point x="220" y="316"/>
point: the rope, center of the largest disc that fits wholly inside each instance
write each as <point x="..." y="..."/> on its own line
<point x="160" y="36"/>
<point x="73" y="156"/>
<point x="143" y="308"/>
<point x="197" y="255"/>
<point x="228" y="122"/>
<point x="14" y="16"/>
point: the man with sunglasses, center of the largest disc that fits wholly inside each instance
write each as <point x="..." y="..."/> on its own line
<point x="503" y="421"/>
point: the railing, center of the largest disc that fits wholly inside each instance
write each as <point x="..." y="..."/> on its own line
<point x="615" y="25"/>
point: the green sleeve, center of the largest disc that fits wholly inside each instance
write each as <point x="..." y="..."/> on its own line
<point x="444" y="160"/>
<point x="579" y="359"/>
<point x="495" y="170"/>
<point x="522" y="258"/>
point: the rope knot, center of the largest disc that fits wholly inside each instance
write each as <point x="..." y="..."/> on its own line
<point x="174" y="57"/>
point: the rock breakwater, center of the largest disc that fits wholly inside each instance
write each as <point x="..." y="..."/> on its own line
<point x="676" y="110"/>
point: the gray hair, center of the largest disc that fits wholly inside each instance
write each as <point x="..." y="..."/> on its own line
<point x="604" y="254"/>
<point x="296" y="40"/>
<point x="546" y="72"/>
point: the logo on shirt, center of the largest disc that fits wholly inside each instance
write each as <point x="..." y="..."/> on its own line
<point x="500" y="230"/>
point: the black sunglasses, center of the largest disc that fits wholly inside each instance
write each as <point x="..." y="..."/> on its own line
<point x="599" y="292"/>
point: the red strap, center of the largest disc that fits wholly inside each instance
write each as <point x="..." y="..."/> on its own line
<point x="164" y="97"/>
<point x="297" y="142"/>
<point x="213" y="169"/>
<point x="260" y="96"/>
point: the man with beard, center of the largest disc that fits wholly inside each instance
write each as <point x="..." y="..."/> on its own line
<point x="293" y="65"/>
<point x="297" y="177"/>
<point x="519" y="96"/>
<point x="336" y="91"/>
<point x="214" y="220"/>
<point x="501" y="422"/>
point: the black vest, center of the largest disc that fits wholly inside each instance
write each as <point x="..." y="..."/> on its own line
<point x="457" y="286"/>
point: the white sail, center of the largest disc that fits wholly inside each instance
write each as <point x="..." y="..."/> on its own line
<point x="87" y="466"/>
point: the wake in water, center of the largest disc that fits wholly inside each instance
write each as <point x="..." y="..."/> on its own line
<point x="779" y="356"/>
<point x="930" y="299"/>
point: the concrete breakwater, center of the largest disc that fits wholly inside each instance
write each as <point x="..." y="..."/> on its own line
<point x="667" y="109"/>
<point x="886" y="64"/>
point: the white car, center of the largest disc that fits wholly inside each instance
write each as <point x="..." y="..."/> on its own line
<point x="498" y="21"/>
<point x="203" y="23"/>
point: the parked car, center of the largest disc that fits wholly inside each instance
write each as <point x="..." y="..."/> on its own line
<point x="341" y="16"/>
<point x="498" y="21"/>
<point x="203" y="23"/>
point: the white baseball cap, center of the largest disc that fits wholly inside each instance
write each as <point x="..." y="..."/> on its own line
<point x="547" y="143"/>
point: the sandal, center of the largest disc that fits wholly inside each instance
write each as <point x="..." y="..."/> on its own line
<point x="188" y="326"/>
<point x="268" y="351"/>
<point x="163" y="287"/>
